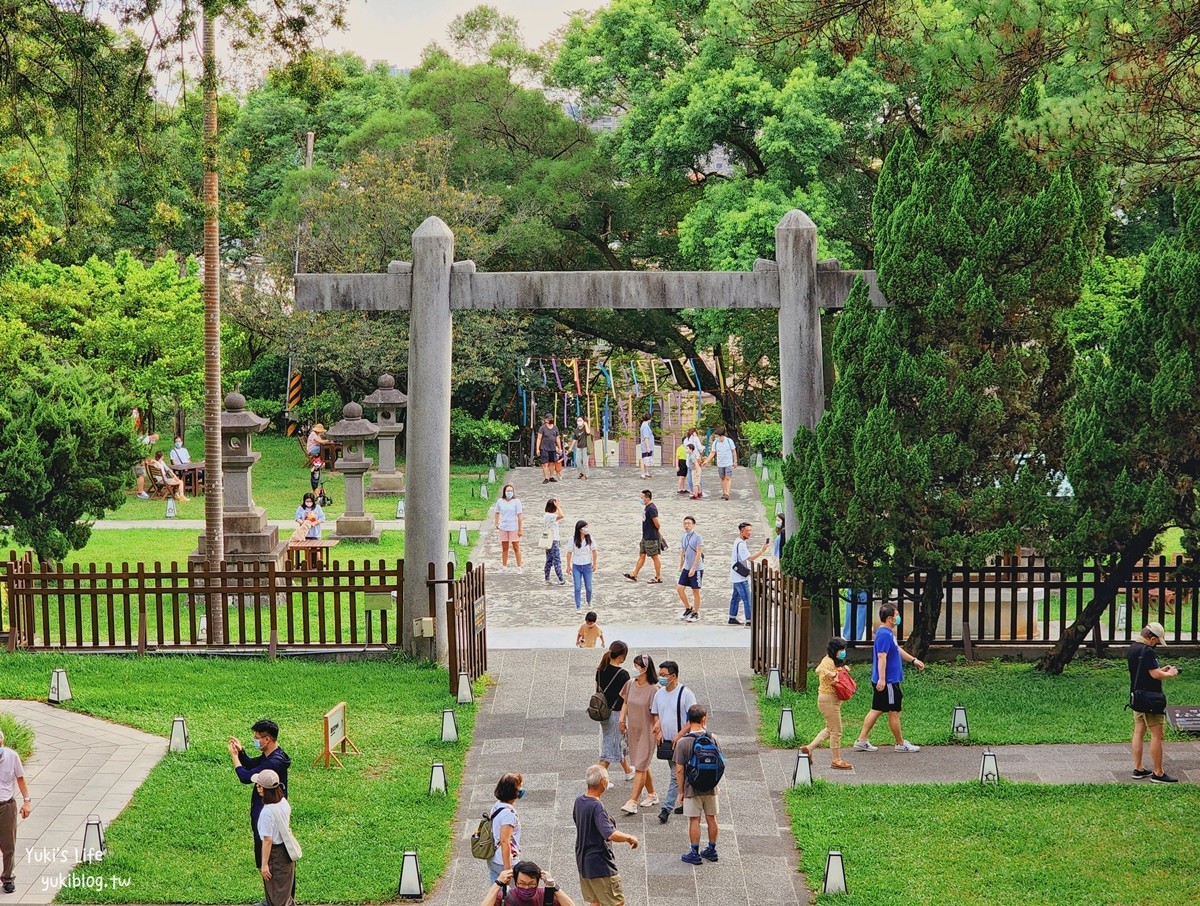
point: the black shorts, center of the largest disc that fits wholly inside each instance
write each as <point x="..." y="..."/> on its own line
<point x="681" y="468"/>
<point x="549" y="456"/>
<point x="692" y="581"/>
<point x="887" y="700"/>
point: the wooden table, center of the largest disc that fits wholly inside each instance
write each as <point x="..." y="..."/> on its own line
<point x="330" y="451"/>
<point x="192" y="474"/>
<point x="311" y="551"/>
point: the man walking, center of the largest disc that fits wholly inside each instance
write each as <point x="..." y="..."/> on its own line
<point x="1145" y="675"/>
<point x="691" y="569"/>
<point x="739" y="572"/>
<point x="594" y="835"/>
<point x="12" y="778"/>
<point x="650" y="546"/>
<point x="724" y="451"/>
<point x="671" y="703"/>
<point x="272" y="757"/>
<point x="887" y="672"/>
<point x="548" y="449"/>
<point x="647" y="438"/>
<point x="698" y="778"/>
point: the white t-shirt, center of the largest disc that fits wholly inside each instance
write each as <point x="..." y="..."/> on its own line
<point x="552" y="526"/>
<point x="740" y="552"/>
<point x="180" y="456"/>
<point x="272" y="819"/>
<point x="10" y="769"/>
<point x="508" y="815"/>
<point x="509" y="510"/>
<point x="583" y="553"/>
<point x="724" y="448"/>
<point x="647" y="438"/>
<point x="672" y="705"/>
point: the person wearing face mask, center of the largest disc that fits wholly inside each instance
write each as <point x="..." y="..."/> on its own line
<point x="580" y="442"/>
<point x="638" y="725"/>
<point x="509" y="523"/>
<point x="780" y="538"/>
<point x="526" y="883"/>
<point x="646" y="437"/>
<point x="595" y="834"/>
<point x="887" y="672"/>
<point x="671" y="703"/>
<point x="179" y="453"/>
<point x="506" y="826"/>
<point x="829" y="704"/>
<point x="310" y="517"/>
<point x="269" y="755"/>
<point x="582" y="559"/>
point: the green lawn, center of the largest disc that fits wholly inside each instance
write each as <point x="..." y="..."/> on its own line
<point x="281" y="478"/>
<point x="184" y="838"/>
<point x="17" y="736"/>
<point x="1015" y="844"/>
<point x="1085" y="704"/>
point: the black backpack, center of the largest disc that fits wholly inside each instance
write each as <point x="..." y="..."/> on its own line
<point x="706" y="766"/>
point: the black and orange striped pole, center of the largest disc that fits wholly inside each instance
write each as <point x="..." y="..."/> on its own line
<point x="293" y="400"/>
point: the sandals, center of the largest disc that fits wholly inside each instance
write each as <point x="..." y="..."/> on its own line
<point x="631" y="577"/>
<point x="654" y="582"/>
<point x="841" y="765"/>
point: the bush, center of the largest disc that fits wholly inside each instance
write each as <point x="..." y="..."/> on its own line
<point x="476" y="439"/>
<point x="764" y="436"/>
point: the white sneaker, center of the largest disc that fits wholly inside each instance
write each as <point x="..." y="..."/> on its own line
<point x="907" y="746"/>
<point x="864" y="745"/>
<point x="520" y="570"/>
<point x="687" y="613"/>
<point x="144" y="496"/>
<point x="693" y="617"/>
<point x="502" y="568"/>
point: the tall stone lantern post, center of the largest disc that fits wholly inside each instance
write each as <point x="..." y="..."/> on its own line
<point x="387" y="480"/>
<point x="249" y="536"/>
<point x="353" y="432"/>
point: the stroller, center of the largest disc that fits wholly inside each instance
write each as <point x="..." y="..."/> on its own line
<point x="314" y="479"/>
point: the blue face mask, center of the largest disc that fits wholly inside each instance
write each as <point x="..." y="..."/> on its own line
<point x="664" y="680"/>
<point x="258" y="743"/>
<point x="521" y="793"/>
<point x="897" y="621"/>
<point x="841" y="655"/>
<point x="508" y="495"/>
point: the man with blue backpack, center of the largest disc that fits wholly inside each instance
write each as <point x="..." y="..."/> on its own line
<point x="699" y="766"/>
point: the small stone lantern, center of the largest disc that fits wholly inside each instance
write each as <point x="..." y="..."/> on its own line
<point x="248" y="534"/>
<point x="353" y="432"/>
<point x="387" y="480"/>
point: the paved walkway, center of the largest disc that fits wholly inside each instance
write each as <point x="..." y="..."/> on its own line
<point x="523" y="612"/>
<point x="80" y="766"/>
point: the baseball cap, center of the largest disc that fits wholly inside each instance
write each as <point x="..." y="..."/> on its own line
<point x="267" y="779"/>
<point x="1156" y="629"/>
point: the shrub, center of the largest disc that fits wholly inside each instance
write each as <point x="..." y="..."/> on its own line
<point x="476" y="439"/>
<point x="764" y="436"/>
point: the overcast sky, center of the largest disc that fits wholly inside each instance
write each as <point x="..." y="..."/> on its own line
<point x="398" y="30"/>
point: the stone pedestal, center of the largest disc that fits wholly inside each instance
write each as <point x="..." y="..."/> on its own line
<point x="387" y="480"/>
<point x="248" y="535"/>
<point x="352" y="432"/>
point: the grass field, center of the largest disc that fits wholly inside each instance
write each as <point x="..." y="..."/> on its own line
<point x="1015" y="844"/>
<point x="1085" y="704"/>
<point x="17" y="736"/>
<point x="184" y="838"/>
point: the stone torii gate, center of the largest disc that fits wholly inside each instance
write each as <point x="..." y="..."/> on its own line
<point x="434" y="285"/>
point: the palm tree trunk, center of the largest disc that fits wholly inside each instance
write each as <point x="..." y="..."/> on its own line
<point x="214" y="502"/>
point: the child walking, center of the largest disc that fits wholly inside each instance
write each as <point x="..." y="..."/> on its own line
<point x="590" y="632"/>
<point x="553" y="516"/>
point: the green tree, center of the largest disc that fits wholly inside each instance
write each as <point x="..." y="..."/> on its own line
<point x="1135" y="429"/>
<point x="67" y="454"/>
<point x="941" y="444"/>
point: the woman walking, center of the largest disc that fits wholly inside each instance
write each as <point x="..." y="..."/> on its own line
<point x="509" y="522"/>
<point x="582" y="558"/>
<point x="829" y="704"/>
<point x="553" y="516"/>
<point x="611" y="678"/>
<point x="579" y="446"/>
<point x="506" y="826"/>
<point x="278" y="870"/>
<point x="638" y="725"/>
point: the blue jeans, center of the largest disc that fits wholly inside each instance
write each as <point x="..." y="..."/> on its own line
<point x="741" y="591"/>
<point x="553" y="559"/>
<point x="581" y="573"/>
<point x="672" y="798"/>
<point x="581" y="460"/>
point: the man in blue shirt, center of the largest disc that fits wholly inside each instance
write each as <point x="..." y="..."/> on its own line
<point x="270" y="756"/>
<point x="887" y="672"/>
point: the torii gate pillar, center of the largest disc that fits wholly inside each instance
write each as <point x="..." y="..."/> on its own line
<point x="430" y="328"/>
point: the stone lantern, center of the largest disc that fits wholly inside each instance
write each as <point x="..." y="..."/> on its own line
<point x="387" y="480"/>
<point x="353" y="432"/>
<point x="248" y="534"/>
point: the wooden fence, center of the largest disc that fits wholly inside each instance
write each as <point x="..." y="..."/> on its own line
<point x="1025" y="602"/>
<point x="140" y="606"/>
<point x="466" y="621"/>
<point x="779" y="625"/>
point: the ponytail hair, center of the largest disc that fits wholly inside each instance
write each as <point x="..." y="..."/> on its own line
<point x="616" y="649"/>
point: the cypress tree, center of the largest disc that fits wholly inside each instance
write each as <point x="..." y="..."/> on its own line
<point x="942" y="443"/>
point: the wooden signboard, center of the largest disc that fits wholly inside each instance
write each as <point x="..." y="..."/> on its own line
<point x="335" y="735"/>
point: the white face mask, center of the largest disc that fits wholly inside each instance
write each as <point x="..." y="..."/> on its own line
<point x="178" y="444"/>
<point x="508" y="495"/>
